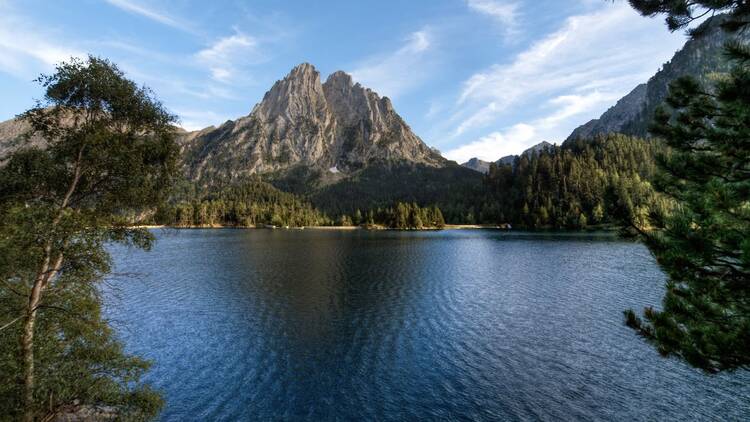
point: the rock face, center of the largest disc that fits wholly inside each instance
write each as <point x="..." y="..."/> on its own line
<point x="337" y="126"/>
<point x="11" y="137"/>
<point x="477" y="165"/>
<point x="616" y="118"/>
<point x="699" y="57"/>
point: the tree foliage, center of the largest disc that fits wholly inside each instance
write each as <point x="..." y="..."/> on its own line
<point x="454" y="189"/>
<point x="406" y="216"/>
<point x="246" y="204"/>
<point x="704" y="243"/>
<point x="582" y="183"/>
<point x="681" y="13"/>
<point x="109" y="154"/>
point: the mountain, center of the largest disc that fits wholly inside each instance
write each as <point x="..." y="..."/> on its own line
<point x="614" y="120"/>
<point x="699" y="57"/>
<point x="331" y="129"/>
<point x="484" y="166"/>
<point x="11" y="133"/>
<point x="477" y="165"/>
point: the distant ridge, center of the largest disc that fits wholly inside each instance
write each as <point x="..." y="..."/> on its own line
<point x="484" y="166"/>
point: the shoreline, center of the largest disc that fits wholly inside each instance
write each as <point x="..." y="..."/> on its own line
<point x="383" y="228"/>
<point x="344" y="228"/>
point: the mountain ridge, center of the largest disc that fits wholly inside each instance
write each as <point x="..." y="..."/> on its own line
<point x="699" y="57"/>
<point x="482" y="166"/>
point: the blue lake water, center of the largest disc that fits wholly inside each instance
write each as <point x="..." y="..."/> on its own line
<point x="356" y="325"/>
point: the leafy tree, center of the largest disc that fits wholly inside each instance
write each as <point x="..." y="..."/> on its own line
<point x="109" y="154"/>
<point x="703" y="244"/>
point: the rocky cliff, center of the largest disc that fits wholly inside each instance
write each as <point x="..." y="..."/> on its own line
<point x="336" y="127"/>
<point x="477" y="165"/>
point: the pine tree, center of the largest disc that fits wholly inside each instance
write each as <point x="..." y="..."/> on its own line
<point x="703" y="244"/>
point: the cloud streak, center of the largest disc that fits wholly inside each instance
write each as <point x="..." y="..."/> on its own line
<point x="25" y="52"/>
<point x="584" y="66"/>
<point x="159" y="17"/>
<point x="227" y="54"/>
<point x="495" y="145"/>
<point x="504" y="12"/>
<point x="400" y="71"/>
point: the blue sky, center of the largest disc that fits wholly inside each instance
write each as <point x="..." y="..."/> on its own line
<point x="482" y="78"/>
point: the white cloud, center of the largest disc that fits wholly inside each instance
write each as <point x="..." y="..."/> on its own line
<point x="568" y="106"/>
<point x="551" y="127"/>
<point x="226" y="56"/>
<point x="496" y="144"/>
<point x="160" y="17"/>
<point x="584" y="66"/>
<point x="395" y="73"/>
<point x="505" y="12"/>
<point x="199" y="119"/>
<point x="24" y="52"/>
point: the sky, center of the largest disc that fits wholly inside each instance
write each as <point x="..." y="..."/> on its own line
<point x="473" y="78"/>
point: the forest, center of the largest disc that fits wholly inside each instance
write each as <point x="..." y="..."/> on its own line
<point x="256" y="203"/>
<point x="579" y="184"/>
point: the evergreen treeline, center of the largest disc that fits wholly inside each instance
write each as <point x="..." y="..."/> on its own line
<point x="255" y="202"/>
<point x="402" y="216"/>
<point x="579" y="184"/>
<point x="454" y="189"/>
<point x="248" y="204"/>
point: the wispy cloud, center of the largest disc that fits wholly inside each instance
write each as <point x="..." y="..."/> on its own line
<point x="504" y="12"/>
<point x="550" y="127"/>
<point x="199" y="119"/>
<point x="24" y="52"/>
<point x="496" y="144"/>
<point x="227" y="55"/>
<point x="584" y="66"/>
<point x="156" y="16"/>
<point x="388" y="75"/>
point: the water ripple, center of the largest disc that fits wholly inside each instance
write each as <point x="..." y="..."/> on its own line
<point x="460" y="325"/>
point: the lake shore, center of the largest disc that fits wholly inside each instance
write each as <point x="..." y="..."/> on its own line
<point x="346" y="228"/>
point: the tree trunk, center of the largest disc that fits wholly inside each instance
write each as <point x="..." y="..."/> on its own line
<point x="27" y="347"/>
<point x="27" y="339"/>
<point x="46" y="274"/>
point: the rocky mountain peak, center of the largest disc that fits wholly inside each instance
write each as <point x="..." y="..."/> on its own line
<point x="299" y="94"/>
<point x="340" y="79"/>
<point x="337" y="125"/>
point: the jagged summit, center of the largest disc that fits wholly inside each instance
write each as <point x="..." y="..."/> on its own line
<point x="298" y="94"/>
<point x="303" y="122"/>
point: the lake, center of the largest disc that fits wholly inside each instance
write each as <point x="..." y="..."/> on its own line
<point x="450" y="325"/>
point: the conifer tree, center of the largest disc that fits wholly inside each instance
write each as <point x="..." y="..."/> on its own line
<point x="703" y="244"/>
